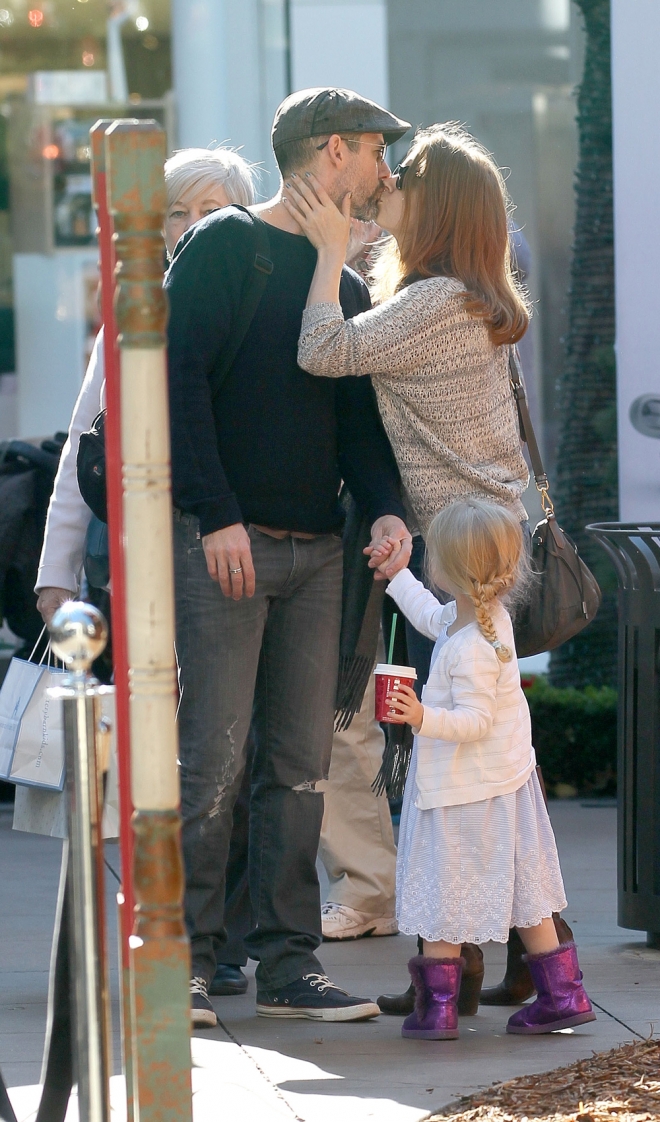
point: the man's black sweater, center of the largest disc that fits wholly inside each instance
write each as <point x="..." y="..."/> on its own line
<point x="274" y="445"/>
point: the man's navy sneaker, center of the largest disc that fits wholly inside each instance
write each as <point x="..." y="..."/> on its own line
<point x="228" y="981"/>
<point x="315" y="998"/>
<point x="202" y="1013"/>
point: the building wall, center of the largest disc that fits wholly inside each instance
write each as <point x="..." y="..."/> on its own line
<point x="636" y="107"/>
<point x="234" y="64"/>
<point x="506" y="69"/>
<point x="340" y="43"/>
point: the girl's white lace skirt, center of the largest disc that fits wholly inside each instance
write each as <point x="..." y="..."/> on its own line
<point x="467" y="874"/>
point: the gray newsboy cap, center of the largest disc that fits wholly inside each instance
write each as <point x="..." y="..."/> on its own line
<point x="326" y="110"/>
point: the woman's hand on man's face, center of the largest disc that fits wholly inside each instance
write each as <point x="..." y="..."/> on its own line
<point x="326" y="226"/>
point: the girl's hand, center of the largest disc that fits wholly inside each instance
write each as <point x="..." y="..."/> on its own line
<point x="307" y="201"/>
<point x="408" y="706"/>
<point x="382" y="554"/>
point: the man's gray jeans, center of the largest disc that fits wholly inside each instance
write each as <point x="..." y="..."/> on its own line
<point x="271" y="660"/>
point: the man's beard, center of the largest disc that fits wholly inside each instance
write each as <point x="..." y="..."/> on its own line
<point x="367" y="209"/>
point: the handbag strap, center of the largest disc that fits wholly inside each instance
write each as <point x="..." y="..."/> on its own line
<point x="253" y="290"/>
<point x="527" y="431"/>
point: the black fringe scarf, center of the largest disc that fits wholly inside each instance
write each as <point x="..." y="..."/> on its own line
<point x="362" y="611"/>
<point x="362" y="605"/>
<point x="391" y="778"/>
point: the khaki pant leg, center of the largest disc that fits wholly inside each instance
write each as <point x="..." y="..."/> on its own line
<point x="357" y="843"/>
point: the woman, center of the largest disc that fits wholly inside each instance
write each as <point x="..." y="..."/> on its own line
<point x="198" y="181"/>
<point x="437" y="343"/>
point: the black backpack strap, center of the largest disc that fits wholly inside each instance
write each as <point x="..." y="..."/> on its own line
<point x="253" y="290"/>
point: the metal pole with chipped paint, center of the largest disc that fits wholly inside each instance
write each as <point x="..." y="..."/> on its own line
<point x="160" y="958"/>
<point x="125" y="901"/>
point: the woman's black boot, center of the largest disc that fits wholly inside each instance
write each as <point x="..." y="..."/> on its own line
<point x="471" y="980"/>
<point x="402" y="1004"/>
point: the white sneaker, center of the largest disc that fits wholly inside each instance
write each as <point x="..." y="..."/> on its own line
<point x="338" y="921"/>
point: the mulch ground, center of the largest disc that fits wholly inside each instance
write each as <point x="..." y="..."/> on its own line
<point x="621" y="1085"/>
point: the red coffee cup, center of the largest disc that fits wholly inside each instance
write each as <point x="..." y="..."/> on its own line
<point x="388" y="679"/>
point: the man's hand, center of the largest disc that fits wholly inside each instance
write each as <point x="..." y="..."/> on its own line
<point x="50" y="599"/>
<point x="229" y="560"/>
<point x="390" y="546"/>
<point x="408" y="706"/>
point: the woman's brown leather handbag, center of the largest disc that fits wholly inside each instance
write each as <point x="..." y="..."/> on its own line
<point x="564" y="595"/>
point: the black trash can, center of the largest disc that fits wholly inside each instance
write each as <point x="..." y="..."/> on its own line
<point x="635" y="553"/>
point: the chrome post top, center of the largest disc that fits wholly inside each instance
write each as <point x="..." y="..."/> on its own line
<point x="78" y="635"/>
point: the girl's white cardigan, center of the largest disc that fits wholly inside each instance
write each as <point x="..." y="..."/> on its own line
<point x="475" y="741"/>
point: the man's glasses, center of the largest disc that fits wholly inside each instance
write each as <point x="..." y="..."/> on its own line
<point x="379" y="149"/>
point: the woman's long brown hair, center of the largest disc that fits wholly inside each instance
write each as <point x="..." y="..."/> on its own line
<point x="455" y="224"/>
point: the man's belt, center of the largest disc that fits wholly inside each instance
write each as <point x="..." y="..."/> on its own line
<point x="280" y="534"/>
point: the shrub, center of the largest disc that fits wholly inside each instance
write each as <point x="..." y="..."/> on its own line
<point x="574" y="734"/>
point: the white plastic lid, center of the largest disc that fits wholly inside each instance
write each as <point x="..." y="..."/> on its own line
<point x="396" y="671"/>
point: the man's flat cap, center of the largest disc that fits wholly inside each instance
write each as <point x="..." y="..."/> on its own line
<point x="323" y="111"/>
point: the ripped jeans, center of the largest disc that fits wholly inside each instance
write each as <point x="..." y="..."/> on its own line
<point x="271" y="660"/>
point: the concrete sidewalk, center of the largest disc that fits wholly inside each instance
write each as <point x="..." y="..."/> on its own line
<point x="257" y="1068"/>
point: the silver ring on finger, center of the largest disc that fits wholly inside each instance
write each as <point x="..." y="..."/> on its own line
<point x="238" y="570"/>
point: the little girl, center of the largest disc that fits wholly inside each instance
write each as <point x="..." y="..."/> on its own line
<point x="477" y="854"/>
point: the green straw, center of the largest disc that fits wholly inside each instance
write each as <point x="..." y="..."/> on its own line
<point x="392" y="635"/>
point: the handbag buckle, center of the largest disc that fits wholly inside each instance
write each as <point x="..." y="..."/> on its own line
<point x="546" y="502"/>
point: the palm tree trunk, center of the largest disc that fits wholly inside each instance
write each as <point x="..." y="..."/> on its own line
<point x="586" y="476"/>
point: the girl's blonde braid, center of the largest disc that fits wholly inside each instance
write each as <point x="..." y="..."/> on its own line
<point x="480" y="597"/>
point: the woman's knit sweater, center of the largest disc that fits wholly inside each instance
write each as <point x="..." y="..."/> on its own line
<point x="443" y="392"/>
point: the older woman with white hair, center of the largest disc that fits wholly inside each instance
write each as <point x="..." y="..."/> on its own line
<point x="198" y="181"/>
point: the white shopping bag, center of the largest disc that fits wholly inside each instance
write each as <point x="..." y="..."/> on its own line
<point x="20" y="682"/>
<point x="31" y="732"/>
<point x="40" y="811"/>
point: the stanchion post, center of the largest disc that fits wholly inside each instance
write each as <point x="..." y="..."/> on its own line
<point x="125" y="898"/>
<point x="78" y="636"/>
<point x="160" y="957"/>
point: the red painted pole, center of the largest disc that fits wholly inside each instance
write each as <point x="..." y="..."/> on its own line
<point x="115" y="514"/>
<point x="117" y="585"/>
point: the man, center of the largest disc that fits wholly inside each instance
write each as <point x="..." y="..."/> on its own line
<point x="258" y="557"/>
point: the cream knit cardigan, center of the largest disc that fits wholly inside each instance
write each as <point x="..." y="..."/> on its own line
<point x="443" y="392"/>
<point x="475" y="741"/>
